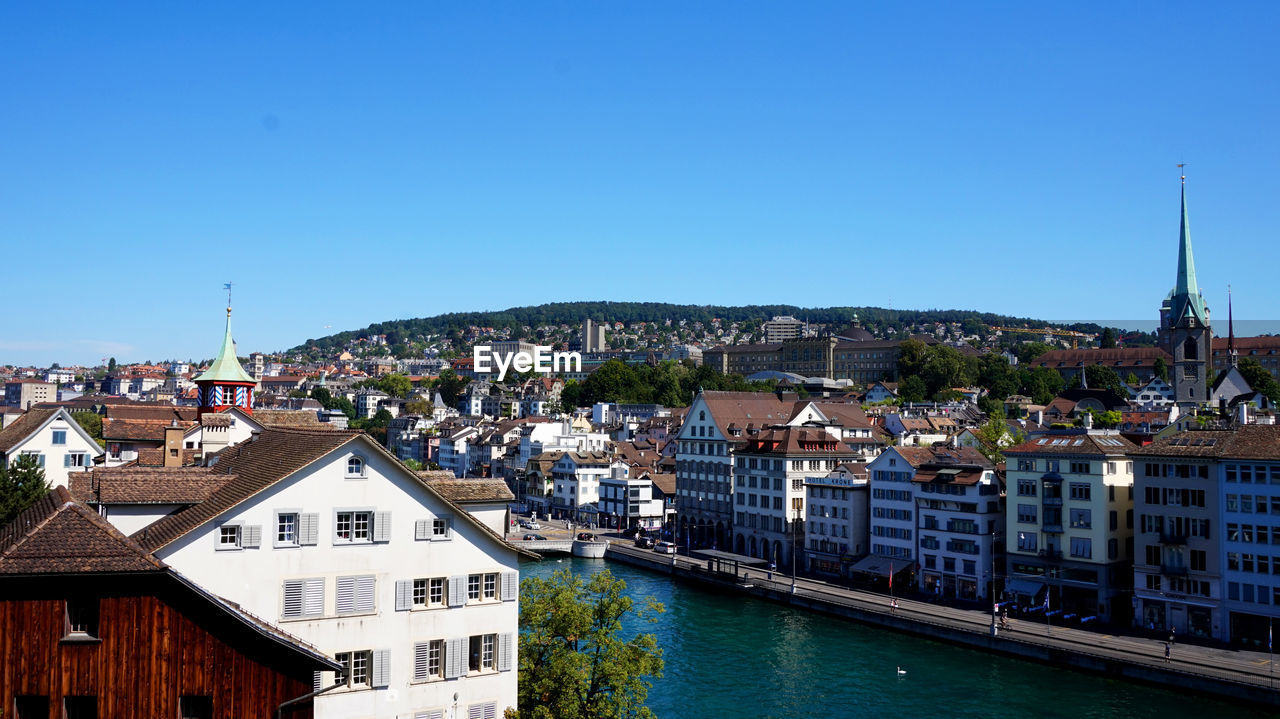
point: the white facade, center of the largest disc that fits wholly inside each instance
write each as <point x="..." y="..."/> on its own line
<point x="557" y="436"/>
<point x="356" y="556"/>
<point x="892" y="506"/>
<point x="961" y="527"/>
<point x="629" y="502"/>
<point x="59" y="444"/>
<point x="577" y="479"/>
<point x="837" y="527"/>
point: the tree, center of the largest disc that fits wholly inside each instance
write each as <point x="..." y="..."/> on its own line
<point x="396" y="385"/>
<point x="1108" y="340"/>
<point x="322" y="395"/>
<point x="1161" y="368"/>
<point x="111" y="365"/>
<point x="91" y="422"/>
<point x="912" y="354"/>
<point x="450" y="386"/>
<point x="1132" y="380"/>
<point x="912" y="389"/>
<point x="1103" y="377"/>
<point x="993" y="437"/>
<point x="1259" y="379"/>
<point x="573" y="663"/>
<point x="1030" y="350"/>
<point x="22" y="484"/>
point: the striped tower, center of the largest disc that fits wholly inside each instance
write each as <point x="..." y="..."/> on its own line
<point x="226" y="384"/>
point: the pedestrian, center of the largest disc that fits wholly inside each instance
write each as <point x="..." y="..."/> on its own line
<point x="772" y="566"/>
<point x="1166" y="652"/>
<point x="1173" y="635"/>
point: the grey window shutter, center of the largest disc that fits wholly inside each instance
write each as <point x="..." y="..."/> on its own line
<point x="404" y="595"/>
<point x="251" y="536"/>
<point x="317" y="681"/>
<point x="505" y="651"/>
<point x="430" y="714"/>
<point x="308" y="529"/>
<point x="421" y="655"/>
<point x="365" y="593"/>
<point x="448" y="527"/>
<point x="313" y="600"/>
<point x="422" y="529"/>
<point x="346" y="595"/>
<point x="382" y="526"/>
<point x="381" y="667"/>
<point x="293" y="595"/>
<point x="510" y="586"/>
<point x="457" y="591"/>
<point x="454" y="659"/>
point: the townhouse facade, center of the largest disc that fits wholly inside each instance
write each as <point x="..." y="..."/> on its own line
<point x="837" y="523"/>
<point x="59" y="445"/>
<point x="961" y="514"/>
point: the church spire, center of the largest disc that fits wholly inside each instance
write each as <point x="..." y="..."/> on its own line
<point x="1231" y="332"/>
<point x="1186" y="263"/>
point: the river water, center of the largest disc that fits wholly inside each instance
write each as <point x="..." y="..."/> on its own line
<point x="732" y="657"/>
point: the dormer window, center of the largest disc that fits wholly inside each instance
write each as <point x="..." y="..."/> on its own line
<point x="355" y="467"/>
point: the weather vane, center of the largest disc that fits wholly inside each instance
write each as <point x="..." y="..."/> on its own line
<point x="227" y="286"/>
<point x="1180" y="166"/>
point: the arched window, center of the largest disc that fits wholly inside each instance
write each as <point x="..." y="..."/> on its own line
<point x="1190" y="350"/>
<point x="355" y="467"/>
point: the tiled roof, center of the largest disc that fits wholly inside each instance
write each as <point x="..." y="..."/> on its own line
<point x="301" y="419"/>
<point x="146" y="485"/>
<point x="805" y="441"/>
<point x="1250" y="441"/>
<point x="1270" y="342"/>
<point x="22" y="427"/>
<point x="1112" y="357"/>
<point x="1075" y="442"/>
<point x="215" y="419"/>
<point x="944" y="475"/>
<point x="137" y="430"/>
<point x="154" y="457"/>
<point x="471" y="490"/>
<point x="58" y="535"/>
<point x="744" y="409"/>
<point x="920" y="456"/>
<point x="155" y="412"/>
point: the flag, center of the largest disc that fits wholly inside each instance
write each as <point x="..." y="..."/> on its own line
<point x="1046" y="599"/>
<point x="891" y="575"/>
<point x="1268" y="636"/>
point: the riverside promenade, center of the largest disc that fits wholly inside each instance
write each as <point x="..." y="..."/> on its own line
<point x="1238" y="675"/>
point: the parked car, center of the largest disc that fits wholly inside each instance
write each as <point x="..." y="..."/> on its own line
<point x="534" y="537"/>
<point x="644" y="542"/>
<point x="586" y="536"/>
<point x="531" y="524"/>
<point x="665" y="547"/>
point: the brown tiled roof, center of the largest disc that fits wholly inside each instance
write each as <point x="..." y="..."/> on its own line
<point x="1062" y="405"/>
<point x="849" y="414"/>
<point x="137" y="430"/>
<point x="942" y="475"/>
<point x="1075" y="442"/>
<point x="464" y="491"/>
<point x="20" y="428"/>
<point x="215" y="419"/>
<point x="1270" y="342"/>
<point x="920" y="456"/>
<point x="435" y="474"/>
<point x="806" y="441"/>
<point x="744" y="409"/>
<point x="1117" y="357"/>
<point x="664" y="482"/>
<point x="146" y="485"/>
<point x="153" y="412"/>
<point x="301" y="419"/>
<point x="58" y="535"/>
<point x="154" y="457"/>
<point x="1250" y="441"/>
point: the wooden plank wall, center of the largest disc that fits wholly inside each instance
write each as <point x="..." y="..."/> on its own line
<point x="149" y="656"/>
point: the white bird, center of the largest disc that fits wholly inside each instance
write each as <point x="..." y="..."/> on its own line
<point x="901" y="671"/>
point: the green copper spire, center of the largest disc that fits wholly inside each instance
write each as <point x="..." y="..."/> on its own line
<point x="226" y="368"/>
<point x="1186" y="298"/>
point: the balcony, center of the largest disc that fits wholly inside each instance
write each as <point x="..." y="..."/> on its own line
<point x="1173" y="537"/>
<point x="1174" y="570"/>
<point x="1052" y="529"/>
<point x="1051" y="553"/>
<point x="1052" y="501"/>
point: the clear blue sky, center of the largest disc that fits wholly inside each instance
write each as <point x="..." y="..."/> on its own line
<point x="350" y="163"/>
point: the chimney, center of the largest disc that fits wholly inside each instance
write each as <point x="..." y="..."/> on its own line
<point x="1088" y="421"/>
<point x="1040" y="417"/>
<point x="1243" y="412"/>
<point x="173" y="445"/>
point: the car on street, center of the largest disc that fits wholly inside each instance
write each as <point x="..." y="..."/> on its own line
<point x="534" y="537"/>
<point x="644" y="542"/>
<point x="586" y="536"/>
<point x="531" y="524"/>
<point x="665" y="547"/>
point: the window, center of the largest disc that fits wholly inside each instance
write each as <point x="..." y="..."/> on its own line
<point x="440" y="528"/>
<point x="59" y="436"/>
<point x="481" y="653"/>
<point x="229" y="536"/>
<point x="195" y="707"/>
<point x="488" y="710"/>
<point x="1079" y="467"/>
<point x="1026" y="488"/>
<point x="31" y="707"/>
<point x="1081" y="547"/>
<point x="355" y="595"/>
<point x="428" y="660"/>
<point x="353" y="526"/>
<point x="1026" y="513"/>
<point x="473" y="587"/>
<point x="80" y="707"/>
<point x="287" y="529"/>
<point x="355" y="467"/>
<point x="1027" y="541"/>
<point x="75" y="459"/>
<point x="82" y="619"/>
<point x="491" y="586"/>
<point x="355" y="671"/>
<point x="303" y="598"/>
<point x="1081" y="491"/>
<point x="1081" y="519"/>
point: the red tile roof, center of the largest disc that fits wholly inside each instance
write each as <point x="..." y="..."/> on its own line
<point x="22" y="427"/>
<point x="146" y="485"/>
<point x="58" y="535"/>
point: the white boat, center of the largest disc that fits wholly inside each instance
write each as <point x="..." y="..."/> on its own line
<point x="590" y="550"/>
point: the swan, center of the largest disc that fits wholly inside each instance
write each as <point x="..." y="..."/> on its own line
<point x="901" y="671"/>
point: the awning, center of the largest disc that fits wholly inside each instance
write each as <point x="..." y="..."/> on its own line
<point x="1025" y="587"/>
<point x="880" y="566"/>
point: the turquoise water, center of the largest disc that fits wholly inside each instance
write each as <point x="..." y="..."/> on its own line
<point x="729" y="656"/>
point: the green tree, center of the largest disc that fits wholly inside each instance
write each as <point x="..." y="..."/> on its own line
<point x="111" y="366"/>
<point x="912" y="389"/>
<point x="394" y="384"/>
<point x="1108" y="339"/>
<point x="1132" y="380"/>
<point x="450" y="386"/>
<point x="574" y="663"/>
<point x="322" y="395"/>
<point x="1161" y="369"/>
<point x="22" y="484"/>
<point x="1028" y="351"/>
<point x="91" y="422"/>
<point x="1103" y="377"/>
<point x="993" y="437"/>
<point x="912" y="355"/>
<point x="944" y="369"/>
<point x="1259" y="379"/>
<point x="418" y="405"/>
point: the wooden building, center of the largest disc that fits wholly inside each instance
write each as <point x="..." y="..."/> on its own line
<point x="92" y="625"/>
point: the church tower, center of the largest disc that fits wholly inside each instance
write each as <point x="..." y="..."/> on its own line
<point x="226" y="384"/>
<point x="1185" y="332"/>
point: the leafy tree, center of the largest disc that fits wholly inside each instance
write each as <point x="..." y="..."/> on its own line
<point x="1108" y="419"/>
<point x="91" y="422"/>
<point x="912" y="389"/>
<point x="343" y="404"/>
<point x="298" y="393"/>
<point x="1108" y="339"/>
<point x="394" y="384"/>
<point x="111" y="365"/>
<point x="450" y="386"/>
<point x="1161" y="369"/>
<point x="1259" y="378"/>
<point x="912" y="355"/>
<point x="573" y="662"/>
<point x="418" y="405"/>
<point x="1132" y="380"/>
<point x="22" y="484"/>
<point x="994" y="436"/>
<point x="322" y="395"/>
<point x="1028" y="351"/>
<point x="944" y="369"/>
<point x="1103" y="377"/>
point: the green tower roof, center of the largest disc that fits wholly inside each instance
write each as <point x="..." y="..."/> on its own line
<point x="226" y="368"/>
<point x="1185" y="297"/>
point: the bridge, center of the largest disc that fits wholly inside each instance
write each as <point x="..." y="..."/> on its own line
<point x="546" y="546"/>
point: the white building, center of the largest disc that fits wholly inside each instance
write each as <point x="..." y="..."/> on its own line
<point x="782" y="328"/>
<point x="577" y="477"/>
<point x="837" y="527"/>
<point x="58" y="443"/>
<point x="327" y="535"/>
<point x="629" y="502"/>
<point x="961" y="525"/>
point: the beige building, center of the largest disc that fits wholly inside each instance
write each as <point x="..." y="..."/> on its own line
<point x="25" y="393"/>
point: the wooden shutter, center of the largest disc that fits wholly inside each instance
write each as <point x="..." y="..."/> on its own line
<point x="505" y="651"/>
<point x="404" y="595"/>
<point x="455" y="658"/>
<point x="381" y="668"/>
<point x="382" y="526"/>
<point x="422" y="529"/>
<point x="293" y="598"/>
<point x="365" y="593"/>
<point x="308" y="529"/>
<point x="488" y="710"/>
<point x="346" y="595"/>
<point x="313" y="598"/>
<point x="458" y="590"/>
<point x="421" y="656"/>
<point x="251" y="536"/>
<point x="510" y="586"/>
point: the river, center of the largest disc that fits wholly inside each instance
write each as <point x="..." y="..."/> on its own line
<point x="731" y="656"/>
